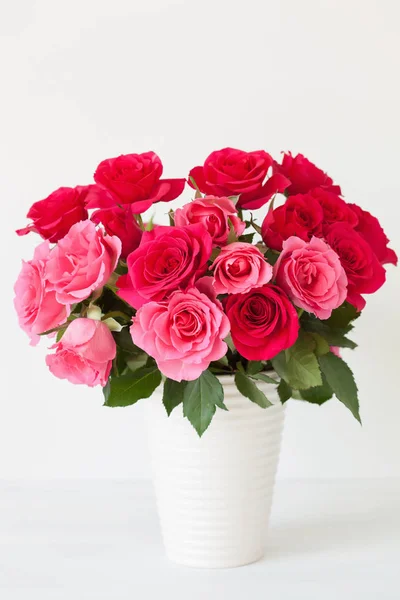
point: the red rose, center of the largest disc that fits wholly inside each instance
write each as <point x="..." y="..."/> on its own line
<point x="370" y="229"/>
<point x="135" y="179"/>
<point x="231" y="172"/>
<point x="168" y="258"/>
<point x="335" y="209"/>
<point x="53" y="217"/>
<point x="303" y="175"/>
<point x="263" y="322"/>
<point x="364" y="272"/>
<point x="120" y="221"/>
<point x="301" y="215"/>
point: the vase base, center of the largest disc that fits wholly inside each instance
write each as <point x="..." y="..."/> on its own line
<point x="222" y="563"/>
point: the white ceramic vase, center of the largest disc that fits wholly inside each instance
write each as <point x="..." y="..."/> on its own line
<point x="214" y="493"/>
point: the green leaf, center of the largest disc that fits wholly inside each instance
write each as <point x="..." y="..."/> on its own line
<point x="136" y="361"/>
<point x="240" y="367"/>
<point x="150" y="224"/>
<point x="284" y="391"/>
<point x="340" y="378"/>
<point x="342" y="316"/>
<point x="60" y="333"/>
<point x="333" y="336"/>
<point x="200" y="399"/>
<point x="222" y="361"/>
<point x="221" y="366"/>
<point x="279" y="365"/>
<point x="254" y="225"/>
<point x="196" y="187"/>
<point x="215" y="252"/>
<point x="248" y="388"/>
<point x="264" y="377"/>
<point x="151" y="363"/>
<point x="298" y="365"/>
<point x="229" y="342"/>
<point x="271" y="256"/>
<point x="173" y="394"/>
<point x="247" y="238"/>
<point x="232" y="237"/>
<point x="120" y="363"/>
<point x="109" y="301"/>
<point x="131" y="387"/>
<point x="254" y="366"/>
<point x="121" y="268"/>
<point x="123" y="339"/>
<point x="321" y="345"/>
<point x="271" y="204"/>
<point x="318" y="394"/>
<point x="341" y="341"/>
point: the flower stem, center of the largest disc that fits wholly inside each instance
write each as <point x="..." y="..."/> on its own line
<point x="140" y="222"/>
<point x="64" y="326"/>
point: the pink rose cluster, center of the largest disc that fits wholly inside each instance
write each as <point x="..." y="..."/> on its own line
<point x="53" y="282"/>
<point x="62" y="278"/>
<point x="186" y="289"/>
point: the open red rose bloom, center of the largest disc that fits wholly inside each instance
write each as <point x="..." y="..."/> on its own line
<point x="128" y="303"/>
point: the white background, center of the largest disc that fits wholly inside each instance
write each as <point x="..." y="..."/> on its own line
<point x="86" y="80"/>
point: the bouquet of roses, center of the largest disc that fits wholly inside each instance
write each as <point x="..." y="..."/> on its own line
<point x="129" y="304"/>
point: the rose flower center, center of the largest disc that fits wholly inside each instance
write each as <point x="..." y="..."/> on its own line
<point x="257" y="311"/>
<point x="187" y="323"/>
<point x="239" y="266"/>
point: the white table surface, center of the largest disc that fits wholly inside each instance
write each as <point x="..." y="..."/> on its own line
<point x="83" y="540"/>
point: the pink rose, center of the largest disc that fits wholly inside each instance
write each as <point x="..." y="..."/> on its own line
<point x="53" y="217"/>
<point x="183" y="334"/>
<point x="168" y="258"/>
<point x="312" y="276"/>
<point x="84" y="354"/>
<point x="82" y="262"/>
<point x="215" y="213"/>
<point x="240" y="267"/>
<point x="263" y="322"/>
<point x="135" y="179"/>
<point x="37" y="307"/>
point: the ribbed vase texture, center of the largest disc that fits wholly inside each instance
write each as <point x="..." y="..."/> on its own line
<point x="214" y="493"/>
